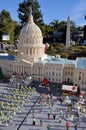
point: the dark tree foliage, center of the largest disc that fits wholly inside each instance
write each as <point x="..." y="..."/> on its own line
<point x="24" y="10"/>
<point x="7" y="25"/>
<point x="4" y="20"/>
<point x="17" y="30"/>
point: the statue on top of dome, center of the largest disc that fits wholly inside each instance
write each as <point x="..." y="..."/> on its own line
<point x="30" y="10"/>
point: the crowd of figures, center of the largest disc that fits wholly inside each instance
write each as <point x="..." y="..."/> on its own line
<point x="12" y="101"/>
<point x="53" y="108"/>
<point x="70" y="113"/>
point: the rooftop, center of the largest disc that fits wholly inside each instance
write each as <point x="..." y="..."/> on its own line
<point x="6" y="56"/>
<point x="54" y="60"/>
<point x="80" y="62"/>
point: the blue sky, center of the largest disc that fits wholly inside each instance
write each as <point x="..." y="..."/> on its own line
<point x="52" y="10"/>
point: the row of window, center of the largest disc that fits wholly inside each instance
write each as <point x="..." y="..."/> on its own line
<point x="69" y="68"/>
<point x="68" y="80"/>
<point x="53" y="69"/>
<point x="68" y="73"/>
<point x="53" y="73"/>
<point x="18" y="69"/>
<point x="55" y="80"/>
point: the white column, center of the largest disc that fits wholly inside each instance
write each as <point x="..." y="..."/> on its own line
<point x="68" y="33"/>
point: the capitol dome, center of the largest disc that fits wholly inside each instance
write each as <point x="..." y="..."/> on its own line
<point x="31" y="33"/>
<point x="31" y="41"/>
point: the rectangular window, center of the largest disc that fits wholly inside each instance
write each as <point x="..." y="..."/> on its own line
<point x="65" y="73"/>
<point x="68" y="73"/>
<point x="52" y="80"/>
<point x="79" y="77"/>
<point x="30" y="51"/>
<point x="46" y="73"/>
<point x="71" y="73"/>
<point x="49" y="73"/>
<point x="27" y="51"/>
<point x="56" y="79"/>
<point x="33" y="51"/>
<point x="56" y="74"/>
<point x="52" y="73"/>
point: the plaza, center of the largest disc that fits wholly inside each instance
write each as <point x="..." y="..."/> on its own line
<point x="38" y="105"/>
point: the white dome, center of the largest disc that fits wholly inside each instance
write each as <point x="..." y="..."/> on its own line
<point x="31" y="42"/>
<point x="31" y="33"/>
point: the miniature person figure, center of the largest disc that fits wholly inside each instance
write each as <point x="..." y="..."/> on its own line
<point x="61" y="112"/>
<point x="79" y="120"/>
<point x="75" y="127"/>
<point x="66" y="116"/>
<point x="50" y="107"/>
<point x="40" y="108"/>
<point x="61" y="101"/>
<point x="34" y="121"/>
<point x="40" y="122"/>
<point x="51" y="95"/>
<point x="54" y="116"/>
<point x="2" y="46"/>
<point x="48" y="127"/>
<point x="33" y="112"/>
<point x="59" y="119"/>
<point x="67" y="125"/>
<point x="48" y="116"/>
<point x="72" y="116"/>
<point x="52" y="103"/>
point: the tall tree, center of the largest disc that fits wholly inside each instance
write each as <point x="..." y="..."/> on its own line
<point x="54" y="25"/>
<point x="24" y="9"/>
<point x="62" y="29"/>
<point x="17" y="30"/>
<point x="7" y="25"/>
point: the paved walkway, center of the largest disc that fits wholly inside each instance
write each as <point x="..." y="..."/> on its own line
<point x="41" y="113"/>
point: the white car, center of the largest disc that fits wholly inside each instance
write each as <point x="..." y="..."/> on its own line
<point x="42" y="85"/>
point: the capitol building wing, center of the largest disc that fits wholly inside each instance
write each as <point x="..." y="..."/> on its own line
<point x="32" y="60"/>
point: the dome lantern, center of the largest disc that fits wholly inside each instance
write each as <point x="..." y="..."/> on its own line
<point x="30" y="17"/>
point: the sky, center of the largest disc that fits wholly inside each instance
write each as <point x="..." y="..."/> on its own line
<point x="52" y="10"/>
